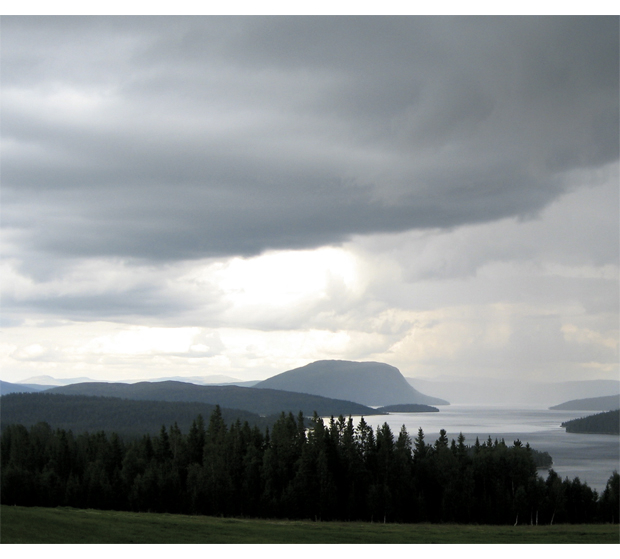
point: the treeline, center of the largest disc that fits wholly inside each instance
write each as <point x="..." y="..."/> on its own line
<point x="333" y="471"/>
<point x="606" y="423"/>
<point x="127" y="418"/>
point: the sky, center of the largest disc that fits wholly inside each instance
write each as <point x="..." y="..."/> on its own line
<point x="240" y="196"/>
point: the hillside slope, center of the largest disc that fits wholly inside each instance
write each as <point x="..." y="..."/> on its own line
<point x="10" y="388"/>
<point x="263" y="402"/>
<point x="124" y="417"/>
<point x="602" y="403"/>
<point x="369" y="383"/>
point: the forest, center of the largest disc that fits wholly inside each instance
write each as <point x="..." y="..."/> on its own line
<point x="332" y="471"/>
<point x="605" y="423"/>
<point x="127" y="418"/>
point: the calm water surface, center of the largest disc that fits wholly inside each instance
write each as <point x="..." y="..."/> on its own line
<point x="592" y="458"/>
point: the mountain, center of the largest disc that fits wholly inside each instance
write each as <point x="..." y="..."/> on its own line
<point x="246" y="383"/>
<point x="481" y="390"/>
<point x="263" y="402"/>
<point x="10" y="388"/>
<point x="210" y="380"/>
<point x="602" y="403"/>
<point x="46" y="380"/>
<point x="203" y="380"/>
<point x="369" y="383"/>
<point x="43" y="382"/>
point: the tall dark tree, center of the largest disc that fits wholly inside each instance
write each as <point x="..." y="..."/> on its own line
<point x="196" y="441"/>
<point x="610" y="500"/>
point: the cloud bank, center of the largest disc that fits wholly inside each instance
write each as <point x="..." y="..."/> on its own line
<point x="176" y="138"/>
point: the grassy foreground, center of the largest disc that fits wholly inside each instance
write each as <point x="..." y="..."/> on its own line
<point x="66" y="525"/>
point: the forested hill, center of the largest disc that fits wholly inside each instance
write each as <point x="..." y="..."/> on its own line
<point x="369" y="383"/>
<point x="10" y="388"/>
<point x="127" y="418"/>
<point x="262" y="402"/>
<point x="606" y="423"/>
<point x="602" y="403"/>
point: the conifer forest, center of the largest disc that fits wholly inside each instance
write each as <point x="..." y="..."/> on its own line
<point x="334" y="470"/>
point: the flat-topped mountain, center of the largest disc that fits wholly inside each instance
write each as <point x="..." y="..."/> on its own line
<point x="368" y="383"/>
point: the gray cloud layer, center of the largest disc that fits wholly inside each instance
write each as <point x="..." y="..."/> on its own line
<point x="178" y="138"/>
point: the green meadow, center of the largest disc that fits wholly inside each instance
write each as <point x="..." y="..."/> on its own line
<point x="67" y="525"/>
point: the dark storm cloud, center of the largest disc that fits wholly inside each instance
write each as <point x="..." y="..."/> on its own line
<point x="130" y="304"/>
<point x="172" y="138"/>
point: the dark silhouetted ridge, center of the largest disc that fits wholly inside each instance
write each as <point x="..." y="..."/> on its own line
<point x="263" y="402"/>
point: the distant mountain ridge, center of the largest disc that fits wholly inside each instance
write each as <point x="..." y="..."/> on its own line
<point x="201" y="380"/>
<point x="11" y="388"/>
<point x="602" y="403"/>
<point x="369" y="383"/>
<point x="43" y="382"/>
<point x="263" y="402"/>
<point x="47" y="380"/>
<point x="483" y="390"/>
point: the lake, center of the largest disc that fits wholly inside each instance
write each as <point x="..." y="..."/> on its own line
<point x="592" y="458"/>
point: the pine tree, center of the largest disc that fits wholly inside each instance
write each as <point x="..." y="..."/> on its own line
<point x="196" y="441"/>
<point x="420" y="448"/>
<point x="163" y="452"/>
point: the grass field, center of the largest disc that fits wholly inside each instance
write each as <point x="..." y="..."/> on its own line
<point x="65" y="525"/>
